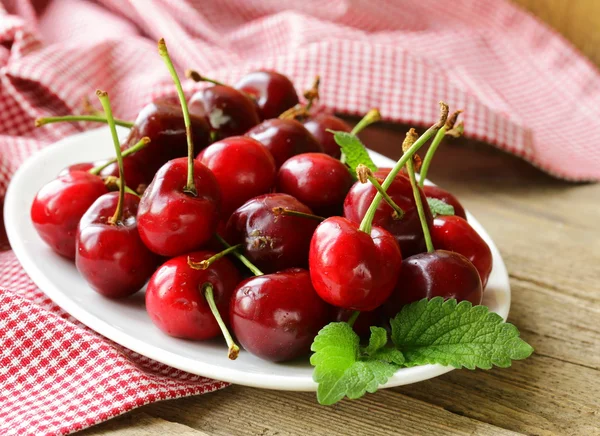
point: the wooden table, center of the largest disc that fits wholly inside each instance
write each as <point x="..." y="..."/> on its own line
<point x="547" y="232"/>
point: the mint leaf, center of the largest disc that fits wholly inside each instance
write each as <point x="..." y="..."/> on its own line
<point x="456" y="334"/>
<point x="439" y="207"/>
<point x="354" y="150"/>
<point x="342" y="368"/>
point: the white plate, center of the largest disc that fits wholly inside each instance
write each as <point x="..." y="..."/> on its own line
<point x="127" y="323"/>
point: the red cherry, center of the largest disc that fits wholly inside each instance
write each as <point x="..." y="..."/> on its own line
<point x="173" y="222"/>
<point x="272" y="242"/>
<point x="243" y="168"/>
<point x="437" y="274"/>
<point x="111" y="257"/>
<point x="273" y="92"/>
<point x="350" y="268"/>
<point x="452" y="233"/>
<point x="284" y="139"/>
<point x="362" y="325"/>
<point x="448" y="198"/>
<point x="60" y="204"/>
<point x="277" y="316"/>
<point x="228" y="111"/>
<point x="83" y="166"/>
<point x="135" y="175"/>
<point x="407" y="230"/>
<point x="318" y="126"/>
<point x="317" y="180"/>
<point x="174" y="298"/>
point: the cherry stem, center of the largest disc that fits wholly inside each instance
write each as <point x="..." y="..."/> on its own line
<point x="312" y="94"/>
<point x="197" y="77"/>
<point x="88" y="109"/>
<point x="190" y="187"/>
<point x="234" y="350"/>
<point x="105" y="101"/>
<point x="352" y="318"/>
<point x="411" y="137"/>
<point x="70" y="118"/>
<point x="137" y="147"/>
<point x="448" y="126"/>
<point x="371" y="117"/>
<point x="288" y="212"/>
<point x="208" y="262"/>
<point x="365" y="175"/>
<point x="367" y="222"/>
<point x="111" y="181"/>
<point x="241" y="257"/>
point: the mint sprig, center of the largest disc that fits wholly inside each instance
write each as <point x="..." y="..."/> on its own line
<point x="354" y="150"/>
<point x="425" y="332"/>
<point x="439" y="207"/>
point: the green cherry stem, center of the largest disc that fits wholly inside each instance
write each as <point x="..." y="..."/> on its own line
<point x="197" y="77"/>
<point x="137" y="147"/>
<point x="448" y="126"/>
<point x="71" y="118"/>
<point x="371" y="117"/>
<point x="352" y="318"/>
<point x="234" y="350"/>
<point x="365" y="175"/>
<point x="190" y="187"/>
<point x="241" y="257"/>
<point x="104" y="100"/>
<point x="208" y="262"/>
<point x="288" y="212"/>
<point x="411" y="137"/>
<point x="367" y="222"/>
<point x="111" y="182"/>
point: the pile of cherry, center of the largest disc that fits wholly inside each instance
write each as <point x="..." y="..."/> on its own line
<point x="245" y="180"/>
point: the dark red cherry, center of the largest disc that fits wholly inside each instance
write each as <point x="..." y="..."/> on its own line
<point x="448" y="198"/>
<point x="111" y="257"/>
<point x="82" y="166"/>
<point x="173" y="222"/>
<point x="176" y="303"/>
<point x="318" y="126"/>
<point x="362" y="325"/>
<point x="272" y="242"/>
<point x="319" y="181"/>
<point x="273" y="92"/>
<point x="135" y="175"/>
<point x="452" y="233"/>
<point x="350" y="268"/>
<point x="163" y="124"/>
<point x="228" y="111"/>
<point x="277" y="316"/>
<point x="407" y="230"/>
<point x="243" y="168"/>
<point x="60" y="204"/>
<point x="284" y="139"/>
<point x="437" y="274"/>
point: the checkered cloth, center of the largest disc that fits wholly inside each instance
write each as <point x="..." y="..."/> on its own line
<point x="523" y="89"/>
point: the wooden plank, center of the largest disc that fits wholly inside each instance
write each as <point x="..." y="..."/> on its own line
<point x="140" y="424"/>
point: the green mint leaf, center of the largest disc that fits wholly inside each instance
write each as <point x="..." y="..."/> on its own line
<point x="354" y="150"/>
<point x="456" y="334"/>
<point x="439" y="207"/>
<point x="343" y="369"/>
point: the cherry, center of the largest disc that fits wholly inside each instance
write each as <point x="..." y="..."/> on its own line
<point x="453" y="233"/>
<point x="448" y="198"/>
<point x="176" y="298"/>
<point x="60" y="204"/>
<point x="284" y="138"/>
<point x="243" y="168"/>
<point x="363" y="323"/>
<point x="109" y="252"/>
<point x="179" y="210"/>
<point x="273" y="92"/>
<point x="277" y="316"/>
<point x="273" y="241"/>
<point x="82" y="166"/>
<point x="353" y="267"/>
<point x="319" y="125"/>
<point x="319" y="181"/>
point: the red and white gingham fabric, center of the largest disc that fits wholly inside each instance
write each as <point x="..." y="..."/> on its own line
<point x="523" y="89"/>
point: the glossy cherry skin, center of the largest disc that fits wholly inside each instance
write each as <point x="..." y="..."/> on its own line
<point x="60" y="204"/>
<point x="318" y="126"/>
<point x="163" y="123"/>
<point x="175" y="296"/>
<point x="82" y="166"/>
<point x="350" y="268"/>
<point x="317" y="180"/>
<point x="407" y="231"/>
<point x="243" y="168"/>
<point x="273" y="92"/>
<point x="448" y="198"/>
<point x="452" y="233"/>
<point x="277" y="316"/>
<point x="437" y="274"/>
<point x="272" y="242"/>
<point x="111" y="257"/>
<point x="284" y="139"/>
<point x="229" y="112"/>
<point x="172" y="222"/>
